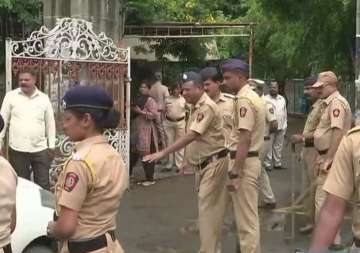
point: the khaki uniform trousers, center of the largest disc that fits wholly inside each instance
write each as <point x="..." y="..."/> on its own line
<point x="266" y="192"/>
<point x="212" y="199"/>
<point x="309" y="156"/>
<point x="112" y="247"/>
<point x="356" y="219"/>
<point x="245" y="206"/>
<point x="174" y="130"/>
<point x="320" y="194"/>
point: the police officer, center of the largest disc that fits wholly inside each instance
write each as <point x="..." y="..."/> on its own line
<point x="93" y="179"/>
<point x="8" y="182"/>
<point x="342" y="185"/>
<point x="266" y="192"/>
<point x="206" y="153"/>
<point x="212" y="80"/>
<point x="309" y="153"/>
<point x="246" y="140"/>
<point x="174" y="124"/>
<point x="335" y="121"/>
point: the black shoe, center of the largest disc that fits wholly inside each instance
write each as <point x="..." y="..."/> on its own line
<point x="166" y="170"/>
<point x="279" y="168"/>
<point x="268" y="169"/>
<point x="269" y="206"/>
<point x="307" y="229"/>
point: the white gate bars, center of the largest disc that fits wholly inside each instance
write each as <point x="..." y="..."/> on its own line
<point x="72" y="54"/>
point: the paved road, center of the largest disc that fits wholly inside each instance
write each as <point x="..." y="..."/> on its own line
<point x="162" y="218"/>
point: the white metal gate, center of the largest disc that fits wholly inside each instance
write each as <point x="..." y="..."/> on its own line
<point x="72" y="54"/>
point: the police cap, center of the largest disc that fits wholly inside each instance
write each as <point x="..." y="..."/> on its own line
<point x="234" y="64"/>
<point x="256" y="83"/>
<point x="192" y="76"/>
<point x="210" y="73"/>
<point x="327" y="77"/>
<point x="94" y="97"/>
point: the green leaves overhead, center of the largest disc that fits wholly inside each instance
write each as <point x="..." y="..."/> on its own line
<point x="292" y="38"/>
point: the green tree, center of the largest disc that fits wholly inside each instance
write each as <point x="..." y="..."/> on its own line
<point x="292" y="38"/>
<point x="296" y="39"/>
<point x="15" y="14"/>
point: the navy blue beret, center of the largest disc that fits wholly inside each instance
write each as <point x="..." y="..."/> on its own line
<point x="210" y="73"/>
<point x="87" y="97"/>
<point x="310" y="81"/>
<point x="234" y="64"/>
<point x="191" y="76"/>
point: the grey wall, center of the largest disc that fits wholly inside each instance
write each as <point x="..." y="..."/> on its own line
<point x="104" y="14"/>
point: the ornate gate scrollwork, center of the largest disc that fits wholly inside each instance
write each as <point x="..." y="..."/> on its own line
<point x="73" y="54"/>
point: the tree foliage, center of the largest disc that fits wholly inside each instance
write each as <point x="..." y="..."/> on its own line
<point x="292" y="38"/>
<point x="17" y="17"/>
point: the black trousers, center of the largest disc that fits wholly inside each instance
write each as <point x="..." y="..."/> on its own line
<point x="149" y="168"/>
<point x="39" y="163"/>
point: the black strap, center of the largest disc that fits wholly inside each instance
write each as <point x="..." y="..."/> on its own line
<point x="250" y="154"/>
<point x="322" y="152"/>
<point x="7" y="248"/>
<point x="357" y="242"/>
<point x="175" y="120"/>
<point x="309" y="142"/>
<point x="213" y="158"/>
<point x="90" y="245"/>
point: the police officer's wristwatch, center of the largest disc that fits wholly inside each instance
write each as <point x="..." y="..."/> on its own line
<point x="232" y="175"/>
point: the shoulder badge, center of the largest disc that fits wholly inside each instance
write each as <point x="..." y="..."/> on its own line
<point x="71" y="181"/>
<point x="199" y="116"/>
<point x="243" y="111"/>
<point x="336" y="113"/>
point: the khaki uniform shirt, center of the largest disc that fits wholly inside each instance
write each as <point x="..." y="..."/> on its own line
<point x="92" y="184"/>
<point x="206" y="120"/>
<point x="226" y="106"/>
<point x="313" y="117"/>
<point x="249" y="114"/>
<point x="8" y="182"/>
<point x="175" y="107"/>
<point x="159" y="92"/>
<point x="337" y="114"/>
<point x="270" y="116"/>
<point x="344" y="177"/>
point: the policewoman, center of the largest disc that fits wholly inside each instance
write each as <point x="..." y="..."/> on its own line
<point x="93" y="180"/>
<point x="8" y="183"/>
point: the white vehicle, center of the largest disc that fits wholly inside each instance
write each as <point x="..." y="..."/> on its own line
<point x="35" y="208"/>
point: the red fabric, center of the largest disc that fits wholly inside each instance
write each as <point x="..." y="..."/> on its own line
<point x="146" y="127"/>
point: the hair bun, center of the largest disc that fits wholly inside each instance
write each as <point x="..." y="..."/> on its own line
<point x="112" y="118"/>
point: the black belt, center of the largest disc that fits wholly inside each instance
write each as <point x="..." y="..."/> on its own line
<point x="213" y="158"/>
<point x="322" y="152"/>
<point x="266" y="138"/>
<point x="7" y="248"/>
<point x="309" y="142"/>
<point x="175" y="120"/>
<point x="90" y="245"/>
<point x="357" y="242"/>
<point x="249" y="154"/>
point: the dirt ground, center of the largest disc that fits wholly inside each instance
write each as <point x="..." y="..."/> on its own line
<point x="162" y="218"/>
